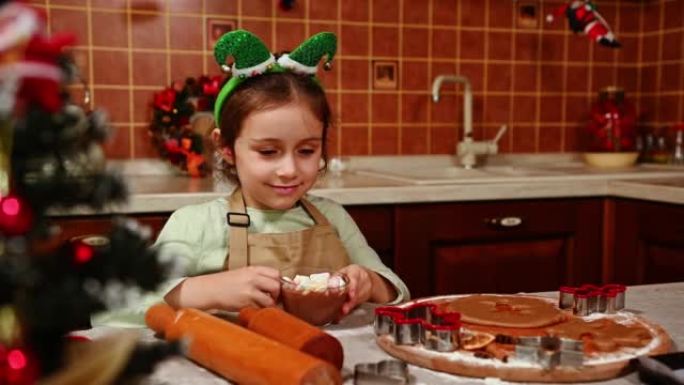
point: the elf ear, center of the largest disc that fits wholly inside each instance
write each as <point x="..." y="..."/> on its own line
<point x="305" y="58"/>
<point x="248" y="51"/>
<point x="251" y="57"/>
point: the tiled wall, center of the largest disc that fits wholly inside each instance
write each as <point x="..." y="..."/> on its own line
<point x="540" y="81"/>
<point x="662" y="72"/>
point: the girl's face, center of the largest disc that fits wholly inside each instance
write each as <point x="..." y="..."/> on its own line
<point x="277" y="156"/>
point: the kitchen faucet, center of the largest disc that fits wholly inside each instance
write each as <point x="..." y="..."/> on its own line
<point x="467" y="149"/>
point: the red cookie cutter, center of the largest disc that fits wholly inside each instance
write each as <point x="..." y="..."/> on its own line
<point x="420" y="323"/>
<point x="588" y="298"/>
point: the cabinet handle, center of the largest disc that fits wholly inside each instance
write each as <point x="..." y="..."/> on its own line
<point x="504" y="222"/>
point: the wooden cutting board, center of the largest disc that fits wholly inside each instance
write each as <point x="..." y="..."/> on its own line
<point x="600" y="366"/>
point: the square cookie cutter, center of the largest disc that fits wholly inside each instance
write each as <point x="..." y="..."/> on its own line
<point x="549" y="351"/>
<point x="386" y="372"/>
<point x="421" y="323"/>
<point x="587" y="299"/>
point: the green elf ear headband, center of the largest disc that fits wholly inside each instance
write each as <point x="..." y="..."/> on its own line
<point x="252" y="58"/>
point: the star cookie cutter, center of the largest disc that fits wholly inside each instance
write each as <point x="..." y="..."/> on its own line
<point x="549" y="351"/>
<point x="587" y="299"/>
<point x="387" y="372"/>
<point x="421" y="323"/>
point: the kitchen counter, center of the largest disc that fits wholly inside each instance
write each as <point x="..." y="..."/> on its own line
<point x="659" y="303"/>
<point x="670" y="190"/>
<point x="378" y="180"/>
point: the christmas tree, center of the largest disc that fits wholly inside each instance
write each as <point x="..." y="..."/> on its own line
<point x="51" y="159"/>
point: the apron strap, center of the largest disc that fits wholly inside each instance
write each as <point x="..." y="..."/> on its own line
<point x="238" y="222"/>
<point x="315" y="214"/>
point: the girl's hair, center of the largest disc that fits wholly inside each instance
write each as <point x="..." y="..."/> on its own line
<point x="268" y="91"/>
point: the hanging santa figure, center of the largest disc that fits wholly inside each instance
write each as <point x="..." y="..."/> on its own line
<point x="583" y="17"/>
<point x="29" y="68"/>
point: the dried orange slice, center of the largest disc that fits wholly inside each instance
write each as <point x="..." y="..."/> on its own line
<point x="473" y="340"/>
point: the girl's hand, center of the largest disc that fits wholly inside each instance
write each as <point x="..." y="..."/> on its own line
<point x="248" y="286"/>
<point x="228" y="290"/>
<point x="360" y="286"/>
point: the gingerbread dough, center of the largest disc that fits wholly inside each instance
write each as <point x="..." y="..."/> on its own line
<point x="604" y="335"/>
<point x="506" y="311"/>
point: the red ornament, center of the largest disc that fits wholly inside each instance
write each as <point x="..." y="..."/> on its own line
<point x="172" y="146"/>
<point x="212" y="86"/>
<point x="16" y="360"/>
<point x="17" y="366"/>
<point x="83" y="253"/>
<point x="165" y="100"/>
<point x="16" y="217"/>
<point x="3" y="364"/>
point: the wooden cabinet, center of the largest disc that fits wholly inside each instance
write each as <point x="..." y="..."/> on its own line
<point x="502" y="247"/>
<point x="74" y="226"/>
<point x="648" y="240"/>
<point x="376" y="222"/>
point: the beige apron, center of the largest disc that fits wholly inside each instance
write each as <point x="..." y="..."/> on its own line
<point x="317" y="246"/>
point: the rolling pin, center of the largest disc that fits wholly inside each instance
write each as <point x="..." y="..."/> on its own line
<point x="236" y="353"/>
<point x="278" y="325"/>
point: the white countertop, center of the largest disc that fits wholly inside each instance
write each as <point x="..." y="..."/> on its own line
<point x="660" y="303"/>
<point x="413" y="179"/>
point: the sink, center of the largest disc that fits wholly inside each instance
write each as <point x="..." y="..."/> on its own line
<point x="450" y="174"/>
<point x="443" y="170"/>
<point x="453" y="174"/>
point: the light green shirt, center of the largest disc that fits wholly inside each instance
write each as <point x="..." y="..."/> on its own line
<point x="195" y="240"/>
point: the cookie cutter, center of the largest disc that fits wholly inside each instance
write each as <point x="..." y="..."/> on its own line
<point x="549" y="351"/>
<point x="588" y="299"/>
<point x="421" y="323"/>
<point x="387" y="372"/>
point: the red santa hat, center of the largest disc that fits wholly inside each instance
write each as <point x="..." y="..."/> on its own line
<point x="28" y="65"/>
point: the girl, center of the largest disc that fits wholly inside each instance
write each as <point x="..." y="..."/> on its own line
<point x="273" y="120"/>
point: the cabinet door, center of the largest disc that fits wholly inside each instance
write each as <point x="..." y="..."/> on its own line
<point x="504" y="246"/>
<point x="70" y="227"/>
<point x="376" y="222"/>
<point x="648" y="242"/>
<point x="500" y="266"/>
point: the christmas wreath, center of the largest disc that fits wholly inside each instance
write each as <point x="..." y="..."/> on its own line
<point x="182" y="120"/>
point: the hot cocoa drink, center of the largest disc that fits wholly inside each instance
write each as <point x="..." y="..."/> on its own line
<point x="316" y="299"/>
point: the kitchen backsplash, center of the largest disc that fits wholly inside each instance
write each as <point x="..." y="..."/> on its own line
<point x="537" y="78"/>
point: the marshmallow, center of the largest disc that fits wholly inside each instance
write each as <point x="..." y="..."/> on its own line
<point x="317" y="282"/>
